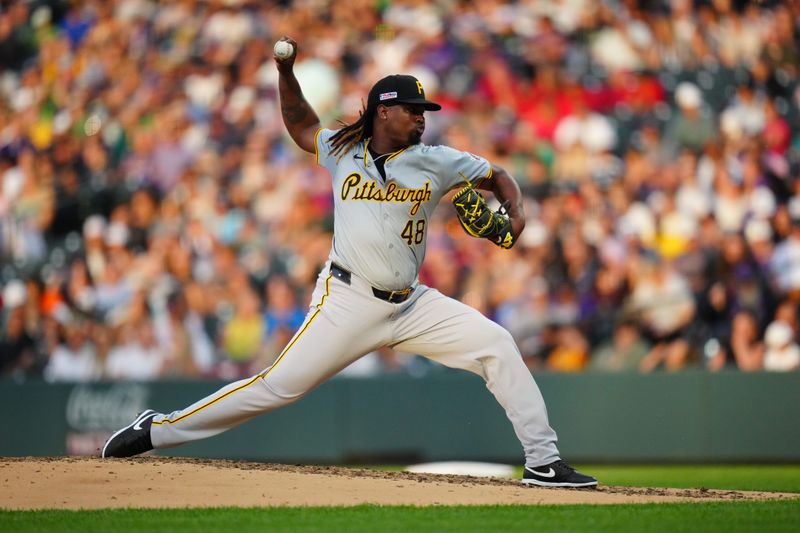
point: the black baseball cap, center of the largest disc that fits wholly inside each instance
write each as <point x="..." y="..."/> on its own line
<point x="399" y="89"/>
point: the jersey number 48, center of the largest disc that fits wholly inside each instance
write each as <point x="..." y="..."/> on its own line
<point x="414" y="233"/>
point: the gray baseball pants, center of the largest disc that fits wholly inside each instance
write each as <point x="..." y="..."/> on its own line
<point x="347" y="321"/>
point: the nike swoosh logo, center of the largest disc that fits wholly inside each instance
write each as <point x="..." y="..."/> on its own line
<point x="550" y="472"/>
<point x="137" y="426"/>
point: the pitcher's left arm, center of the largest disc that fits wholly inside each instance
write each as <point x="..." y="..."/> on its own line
<point x="505" y="189"/>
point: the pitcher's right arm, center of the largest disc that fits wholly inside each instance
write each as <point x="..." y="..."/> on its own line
<point x="299" y="117"/>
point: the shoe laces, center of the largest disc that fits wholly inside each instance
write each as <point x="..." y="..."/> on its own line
<point x="564" y="465"/>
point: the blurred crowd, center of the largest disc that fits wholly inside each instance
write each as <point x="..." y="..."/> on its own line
<point x="156" y="221"/>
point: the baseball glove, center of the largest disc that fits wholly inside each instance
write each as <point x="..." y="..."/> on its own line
<point x="479" y="221"/>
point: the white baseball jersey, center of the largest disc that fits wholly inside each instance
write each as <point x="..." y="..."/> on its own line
<point x="380" y="227"/>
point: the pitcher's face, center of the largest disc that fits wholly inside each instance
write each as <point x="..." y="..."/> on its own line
<point x="404" y="123"/>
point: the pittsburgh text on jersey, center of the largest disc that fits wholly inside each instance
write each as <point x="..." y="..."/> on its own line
<point x="354" y="189"/>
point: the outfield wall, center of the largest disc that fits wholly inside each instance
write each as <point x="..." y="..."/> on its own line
<point x="687" y="417"/>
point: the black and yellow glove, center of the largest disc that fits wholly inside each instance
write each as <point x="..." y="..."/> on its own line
<point x="479" y="221"/>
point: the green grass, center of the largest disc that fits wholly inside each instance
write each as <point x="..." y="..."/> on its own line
<point x="726" y="516"/>
<point x="773" y="478"/>
<point x="723" y="517"/>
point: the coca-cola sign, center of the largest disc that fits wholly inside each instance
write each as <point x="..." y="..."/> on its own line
<point x="94" y="408"/>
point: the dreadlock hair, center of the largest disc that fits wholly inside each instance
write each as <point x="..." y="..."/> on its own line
<point x="352" y="134"/>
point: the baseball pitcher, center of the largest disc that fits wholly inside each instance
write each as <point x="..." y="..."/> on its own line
<point x="386" y="184"/>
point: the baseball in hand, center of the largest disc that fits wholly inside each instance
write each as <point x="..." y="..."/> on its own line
<point x="283" y="49"/>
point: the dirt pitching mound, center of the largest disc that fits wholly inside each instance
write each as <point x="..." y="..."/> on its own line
<point x="153" y="482"/>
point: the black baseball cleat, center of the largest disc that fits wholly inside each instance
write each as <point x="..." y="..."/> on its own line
<point x="557" y="474"/>
<point x="133" y="439"/>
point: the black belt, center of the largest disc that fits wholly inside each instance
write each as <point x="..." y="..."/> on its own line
<point x="394" y="297"/>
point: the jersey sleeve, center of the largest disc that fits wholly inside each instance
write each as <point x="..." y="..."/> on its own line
<point x="458" y="167"/>
<point x="322" y="147"/>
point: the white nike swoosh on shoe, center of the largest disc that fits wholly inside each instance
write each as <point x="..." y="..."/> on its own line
<point x="134" y="424"/>
<point x="550" y="472"/>
<point x="137" y="426"/>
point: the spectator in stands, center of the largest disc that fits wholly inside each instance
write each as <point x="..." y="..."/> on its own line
<point x="745" y="285"/>
<point x="785" y="264"/>
<point x="243" y="337"/>
<point x="75" y="358"/>
<point x="583" y="140"/>
<point x="783" y="353"/>
<point x="283" y="315"/>
<point x="17" y="41"/>
<point x="664" y="303"/>
<point x="570" y="352"/>
<point x="746" y="110"/>
<point x="759" y="236"/>
<point x="183" y="336"/>
<point x="17" y="348"/>
<point x="600" y="307"/>
<point x="692" y="126"/>
<point x="136" y="356"/>
<point x="745" y="344"/>
<point x="623" y="352"/>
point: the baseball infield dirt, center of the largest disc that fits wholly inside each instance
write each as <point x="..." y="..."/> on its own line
<point x="92" y="483"/>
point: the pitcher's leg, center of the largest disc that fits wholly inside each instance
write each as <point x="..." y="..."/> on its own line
<point x="456" y="335"/>
<point x="326" y="343"/>
<point x="228" y="407"/>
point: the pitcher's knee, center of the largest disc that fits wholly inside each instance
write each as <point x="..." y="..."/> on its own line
<point x="284" y="394"/>
<point x="498" y="340"/>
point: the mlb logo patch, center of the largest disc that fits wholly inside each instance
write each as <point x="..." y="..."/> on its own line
<point x="388" y="96"/>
